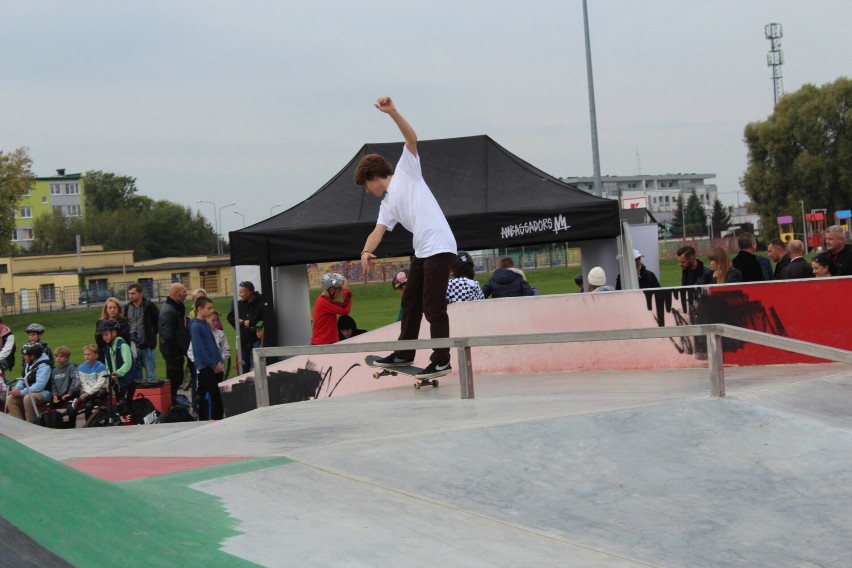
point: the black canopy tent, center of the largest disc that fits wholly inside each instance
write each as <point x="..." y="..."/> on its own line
<point x="490" y="197"/>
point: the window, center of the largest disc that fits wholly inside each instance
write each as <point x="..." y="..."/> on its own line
<point x="54" y="189"/>
<point x="47" y="292"/>
<point x="181" y="277"/>
<point x="4" y="269"/>
<point x="44" y="199"/>
<point x="72" y="189"/>
<point x="73" y="211"/>
<point x="24" y="235"/>
<point x="98" y="284"/>
<point x="56" y="210"/>
<point x="26" y="212"/>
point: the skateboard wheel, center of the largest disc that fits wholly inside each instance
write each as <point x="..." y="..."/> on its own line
<point x="376" y="375"/>
<point x="394" y="373"/>
<point x="435" y="383"/>
<point x="417" y="386"/>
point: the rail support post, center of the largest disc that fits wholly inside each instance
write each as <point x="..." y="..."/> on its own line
<point x="465" y="371"/>
<point x="261" y="380"/>
<point x="716" y="364"/>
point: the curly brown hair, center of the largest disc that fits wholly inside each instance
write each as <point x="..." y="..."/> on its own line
<point x="372" y="166"/>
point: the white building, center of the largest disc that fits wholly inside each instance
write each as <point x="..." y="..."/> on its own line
<point x="661" y="191"/>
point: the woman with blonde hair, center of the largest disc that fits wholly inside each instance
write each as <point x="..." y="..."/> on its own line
<point x="723" y="271"/>
<point x="112" y="310"/>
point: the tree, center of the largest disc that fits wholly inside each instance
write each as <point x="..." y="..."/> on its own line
<point x="108" y="192"/>
<point x="171" y="229"/>
<point x="803" y="151"/>
<point x="16" y="179"/>
<point x="720" y="218"/>
<point x="696" y="217"/>
<point x="54" y="232"/>
<point x="677" y="218"/>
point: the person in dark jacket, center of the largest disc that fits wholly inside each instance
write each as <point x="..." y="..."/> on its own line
<point x="346" y="327"/>
<point x="838" y="250"/>
<point x="111" y="311"/>
<point x="144" y="318"/>
<point x="778" y="254"/>
<point x="174" y="337"/>
<point x="723" y="271"/>
<point x="746" y="261"/>
<point x="693" y="271"/>
<point x="647" y="279"/>
<point x="507" y="282"/>
<point x="250" y="311"/>
<point x="798" y="267"/>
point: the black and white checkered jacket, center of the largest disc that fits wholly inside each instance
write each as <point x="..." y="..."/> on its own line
<point x="463" y="290"/>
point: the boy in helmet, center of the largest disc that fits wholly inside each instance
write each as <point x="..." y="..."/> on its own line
<point x="119" y="361"/>
<point x="335" y="300"/>
<point x="408" y="201"/>
<point x="33" y="388"/>
<point x="34" y="333"/>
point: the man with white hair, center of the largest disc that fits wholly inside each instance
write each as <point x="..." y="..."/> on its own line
<point x="838" y="251"/>
<point x="798" y="267"/>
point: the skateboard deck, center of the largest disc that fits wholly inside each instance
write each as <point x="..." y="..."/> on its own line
<point x="409" y="370"/>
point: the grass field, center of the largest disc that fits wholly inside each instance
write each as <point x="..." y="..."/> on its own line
<point x="373" y="306"/>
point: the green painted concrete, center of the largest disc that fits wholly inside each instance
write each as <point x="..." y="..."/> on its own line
<point x="158" y="521"/>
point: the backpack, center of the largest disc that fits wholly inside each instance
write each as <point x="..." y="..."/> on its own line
<point x="177" y="413"/>
<point x="52" y="418"/>
<point x="143" y="410"/>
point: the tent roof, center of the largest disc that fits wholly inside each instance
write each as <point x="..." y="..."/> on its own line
<point x="490" y="197"/>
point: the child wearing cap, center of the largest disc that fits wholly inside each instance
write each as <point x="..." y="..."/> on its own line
<point x="462" y="287"/>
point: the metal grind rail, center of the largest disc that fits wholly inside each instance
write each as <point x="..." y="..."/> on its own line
<point x="713" y="333"/>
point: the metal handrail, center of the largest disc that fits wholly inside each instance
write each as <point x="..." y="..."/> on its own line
<point x="713" y="332"/>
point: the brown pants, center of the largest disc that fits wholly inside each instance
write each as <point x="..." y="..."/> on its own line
<point x="23" y="406"/>
<point x="425" y="294"/>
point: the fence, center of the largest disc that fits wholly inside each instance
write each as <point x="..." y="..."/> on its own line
<point x="485" y="261"/>
<point x="49" y="298"/>
<point x="713" y="333"/>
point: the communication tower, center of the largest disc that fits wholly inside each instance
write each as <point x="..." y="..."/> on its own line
<point x="775" y="58"/>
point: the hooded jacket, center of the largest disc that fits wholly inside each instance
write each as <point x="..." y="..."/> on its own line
<point x="506" y="283"/>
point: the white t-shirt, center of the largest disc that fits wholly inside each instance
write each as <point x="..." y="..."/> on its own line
<point x="410" y="202"/>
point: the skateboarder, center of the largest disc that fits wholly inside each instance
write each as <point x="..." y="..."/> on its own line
<point x="407" y="200"/>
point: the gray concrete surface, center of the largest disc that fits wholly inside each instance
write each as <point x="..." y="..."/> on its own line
<point x="581" y="469"/>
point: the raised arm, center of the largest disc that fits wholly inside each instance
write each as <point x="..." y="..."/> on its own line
<point x="385" y="104"/>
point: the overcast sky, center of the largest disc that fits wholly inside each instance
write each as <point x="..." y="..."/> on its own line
<point x="262" y="102"/>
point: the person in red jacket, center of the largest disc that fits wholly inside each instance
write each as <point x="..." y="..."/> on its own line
<point x="335" y="300"/>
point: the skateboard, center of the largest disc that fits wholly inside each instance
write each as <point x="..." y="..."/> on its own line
<point x="409" y="370"/>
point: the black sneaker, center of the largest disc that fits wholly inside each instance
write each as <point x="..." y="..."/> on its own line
<point x="432" y="371"/>
<point x="393" y="360"/>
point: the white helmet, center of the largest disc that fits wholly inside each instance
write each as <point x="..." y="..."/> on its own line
<point x="331" y="280"/>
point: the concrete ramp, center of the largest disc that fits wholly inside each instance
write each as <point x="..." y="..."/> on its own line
<point x="583" y="469"/>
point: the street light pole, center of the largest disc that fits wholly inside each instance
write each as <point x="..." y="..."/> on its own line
<point x="215" y="223"/>
<point x="271" y="209"/>
<point x="221" y="247"/>
<point x="804" y="226"/>
<point x="243" y="217"/>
